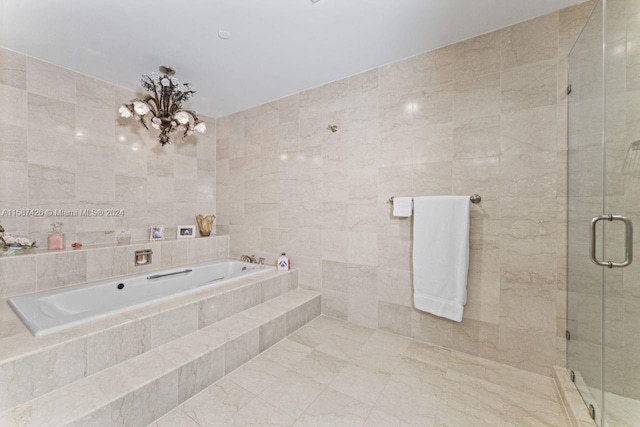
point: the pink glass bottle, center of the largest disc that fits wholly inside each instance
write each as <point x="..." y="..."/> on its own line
<point x="56" y="237"/>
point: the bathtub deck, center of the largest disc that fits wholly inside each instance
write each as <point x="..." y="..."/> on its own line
<point x="141" y="389"/>
<point x="49" y="362"/>
<point x="334" y="373"/>
<point x="16" y="340"/>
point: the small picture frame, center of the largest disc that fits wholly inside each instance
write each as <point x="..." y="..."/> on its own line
<point x="156" y="232"/>
<point x="186" y="232"/>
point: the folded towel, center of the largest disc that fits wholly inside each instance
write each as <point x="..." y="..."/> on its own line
<point x="402" y="206"/>
<point x="441" y="255"/>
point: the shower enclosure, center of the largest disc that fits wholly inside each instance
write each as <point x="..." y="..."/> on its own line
<point x="603" y="295"/>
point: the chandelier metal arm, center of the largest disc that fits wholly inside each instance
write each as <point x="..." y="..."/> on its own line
<point x="156" y="95"/>
<point x="154" y="108"/>
<point x="193" y="114"/>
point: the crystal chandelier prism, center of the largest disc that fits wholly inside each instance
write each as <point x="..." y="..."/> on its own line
<point x="164" y="106"/>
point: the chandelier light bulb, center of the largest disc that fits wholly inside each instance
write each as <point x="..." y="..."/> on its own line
<point x="141" y="108"/>
<point x="125" y="111"/>
<point x="182" y="117"/>
<point x="200" y="127"/>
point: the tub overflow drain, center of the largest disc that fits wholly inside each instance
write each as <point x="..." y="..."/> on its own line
<point x="120" y="285"/>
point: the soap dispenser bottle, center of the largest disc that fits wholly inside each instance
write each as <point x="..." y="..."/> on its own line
<point x="283" y="262"/>
<point x="56" y="237"/>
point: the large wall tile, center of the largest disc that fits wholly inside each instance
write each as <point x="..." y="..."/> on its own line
<point x="13" y="143"/>
<point x="529" y="175"/>
<point x="95" y="114"/>
<point x="529" y="130"/>
<point x="51" y="140"/>
<point x="434" y="68"/>
<point x="478" y="96"/>
<point x="58" y="270"/>
<point x="13" y="69"/>
<point x="17" y="275"/>
<point x="478" y="56"/>
<point x="14" y="185"/>
<point x="529" y="86"/>
<point x="476" y="137"/>
<point x="51" y="184"/>
<point x="13" y="106"/>
<point x="531" y="41"/>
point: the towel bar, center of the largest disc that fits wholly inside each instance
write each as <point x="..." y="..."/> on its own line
<point x="475" y="199"/>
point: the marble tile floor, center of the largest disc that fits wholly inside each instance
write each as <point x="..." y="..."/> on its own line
<point x="334" y="373"/>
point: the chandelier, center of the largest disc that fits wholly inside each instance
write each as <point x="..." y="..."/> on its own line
<point x="164" y="105"/>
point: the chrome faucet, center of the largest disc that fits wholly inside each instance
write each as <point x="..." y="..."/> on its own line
<point x="252" y="259"/>
<point x="248" y="258"/>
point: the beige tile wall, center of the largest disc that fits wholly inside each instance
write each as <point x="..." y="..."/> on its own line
<point x="486" y="116"/>
<point x="63" y="146"/>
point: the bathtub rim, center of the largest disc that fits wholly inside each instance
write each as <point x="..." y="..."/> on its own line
<point x="73" y="324"/>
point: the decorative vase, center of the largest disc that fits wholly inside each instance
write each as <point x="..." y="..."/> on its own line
<point x="56" y="237"/>
<point x="205" y="224"/>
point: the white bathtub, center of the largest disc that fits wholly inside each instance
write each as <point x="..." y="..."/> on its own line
<point x="51" y="311"/>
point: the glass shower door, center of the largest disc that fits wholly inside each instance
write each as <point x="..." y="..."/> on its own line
<point x="585" y="201"/>
<point x="603" y="295"/>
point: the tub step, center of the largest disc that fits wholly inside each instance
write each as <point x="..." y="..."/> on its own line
<point x="33" y="366"/>
<point x="140" y="390"/>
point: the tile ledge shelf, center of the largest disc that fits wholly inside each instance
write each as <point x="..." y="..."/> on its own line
<point x="84" y="248"/>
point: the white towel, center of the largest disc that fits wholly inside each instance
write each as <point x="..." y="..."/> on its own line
<point x="441" y="255"/>
<point x="402" y="206"/>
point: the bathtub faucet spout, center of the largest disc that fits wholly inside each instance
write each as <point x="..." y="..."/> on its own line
<point x="249" y="258"/>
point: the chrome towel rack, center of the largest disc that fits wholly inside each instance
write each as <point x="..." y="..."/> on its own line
<point x="475" y="199"/>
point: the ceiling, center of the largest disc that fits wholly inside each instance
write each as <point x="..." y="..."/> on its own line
<point x="276" y="48"/>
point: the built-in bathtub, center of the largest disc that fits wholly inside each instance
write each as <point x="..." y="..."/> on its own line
<point x="51" y="311"/>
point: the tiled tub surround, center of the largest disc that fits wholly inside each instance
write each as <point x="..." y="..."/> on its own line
<point x="140" y="390"/>
<point x="30" y="366"/>
<point x="486" y="116"/>
<point x="333" y="373"/>
<point x="63" y="146"/>
<point x="42" y="270"/>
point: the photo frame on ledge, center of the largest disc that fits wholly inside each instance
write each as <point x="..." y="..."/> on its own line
<point x="186" y="232"/>
<point x="156" y="232"/>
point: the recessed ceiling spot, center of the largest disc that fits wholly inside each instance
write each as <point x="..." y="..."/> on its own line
<point x="224" y="35"/>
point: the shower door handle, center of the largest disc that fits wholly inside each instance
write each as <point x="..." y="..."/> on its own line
<point x="628" y="241"/>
